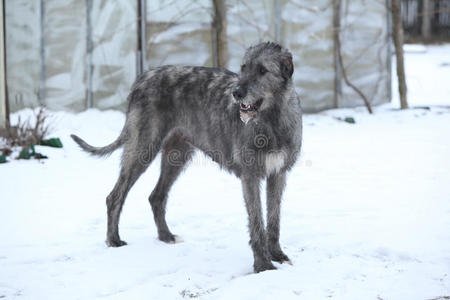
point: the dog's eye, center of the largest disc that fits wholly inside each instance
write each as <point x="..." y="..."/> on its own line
<point x="243" y="67"/>
<point x="262" y="70"/>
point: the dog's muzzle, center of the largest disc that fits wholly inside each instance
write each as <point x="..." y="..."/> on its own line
<point x="248" y="111"/>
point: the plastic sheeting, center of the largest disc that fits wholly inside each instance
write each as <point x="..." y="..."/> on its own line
<point x="65" y="49"/>
<point x="249" y="22"/>
<point x="308" y="33"/>
<point x="179" y="32"/>
<point x="114" y="55"/>
<point x="365" y="51"/>
<point x="65" y="33"/>
<point x="22" y="52"/>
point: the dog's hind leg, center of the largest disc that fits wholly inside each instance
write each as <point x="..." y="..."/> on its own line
<point x="134" y="163"/>
<point x="275" y="186"/>
<point x="175" y="155"/>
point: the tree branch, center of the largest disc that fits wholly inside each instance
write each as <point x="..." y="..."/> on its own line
<point x="337" y="39"/>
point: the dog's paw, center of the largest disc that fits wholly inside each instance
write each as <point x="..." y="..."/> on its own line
<point x="115" y="243"/>
<point x="280" y="257"/>
<point x="261" y="267"/>
<point x="170" y="239"/>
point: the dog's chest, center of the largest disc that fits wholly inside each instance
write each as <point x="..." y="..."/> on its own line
<point x="274" y="162"/>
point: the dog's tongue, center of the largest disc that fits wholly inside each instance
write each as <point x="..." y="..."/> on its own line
<point x="246" y="116"/>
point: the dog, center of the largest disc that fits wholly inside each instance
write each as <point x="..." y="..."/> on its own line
<point x="249" y="123"/>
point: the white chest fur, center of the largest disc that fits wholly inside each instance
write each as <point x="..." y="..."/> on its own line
<point x="274" y="162"/>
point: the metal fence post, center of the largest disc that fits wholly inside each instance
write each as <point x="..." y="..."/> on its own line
<point x="336" y="61"/>
<point x="141" y="52"/>
<point x="4" y="111"/>
<point x="42" y="73"/>
<point x="389" y="48"/>
<point x="89" y="49"/>
<point x="277" y="12"/>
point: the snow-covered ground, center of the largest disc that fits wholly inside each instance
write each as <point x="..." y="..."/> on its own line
<point x="366" y="213"/>
<point x="428" y="75"/>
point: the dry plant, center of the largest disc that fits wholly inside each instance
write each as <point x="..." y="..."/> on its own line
<point x="27" y="132"/>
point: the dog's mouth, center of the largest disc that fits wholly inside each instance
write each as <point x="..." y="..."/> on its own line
<point x="248" y="111"/>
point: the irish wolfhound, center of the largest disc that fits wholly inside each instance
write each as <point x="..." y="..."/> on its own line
<point x="249" y="123"/>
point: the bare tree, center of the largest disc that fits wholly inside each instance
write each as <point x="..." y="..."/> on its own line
<point x="397" y="34"/>
<point x="219" y="34"/>
<point x="339" y="63"/>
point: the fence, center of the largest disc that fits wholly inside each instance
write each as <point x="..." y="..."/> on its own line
<point x="416" y="13"/>
<point x="74" y="54"/>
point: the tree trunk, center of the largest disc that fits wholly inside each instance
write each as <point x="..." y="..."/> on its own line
<point x="219" y="34"/>
<point x="426" y="20"/>
<point x="397" y="33"/>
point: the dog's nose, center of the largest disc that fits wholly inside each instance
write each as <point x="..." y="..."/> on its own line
<point x="238" y="94"/>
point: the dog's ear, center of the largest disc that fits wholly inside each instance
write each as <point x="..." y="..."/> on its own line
<point x="286" y="65"/>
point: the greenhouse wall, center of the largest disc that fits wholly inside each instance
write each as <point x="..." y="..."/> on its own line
<point x="50" y="62"/>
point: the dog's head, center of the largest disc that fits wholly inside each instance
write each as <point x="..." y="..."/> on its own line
<point x="266" y="71"/>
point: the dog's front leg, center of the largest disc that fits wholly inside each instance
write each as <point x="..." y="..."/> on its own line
<point x="258" y="237"/>
<point x="275" y="186"/>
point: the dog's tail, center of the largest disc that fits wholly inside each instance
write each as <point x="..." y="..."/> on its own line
<point x="102" y="151"/>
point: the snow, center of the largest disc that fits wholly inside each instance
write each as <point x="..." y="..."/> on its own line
<point x="428" y="74"/>
<point x="414" y="48"/>
<point x="366" y="213"/>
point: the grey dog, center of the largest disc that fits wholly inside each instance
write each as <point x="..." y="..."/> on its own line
<point x="249" y="123"/>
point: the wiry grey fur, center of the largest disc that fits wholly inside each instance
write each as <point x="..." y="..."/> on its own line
<point x="176" y="110"/>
